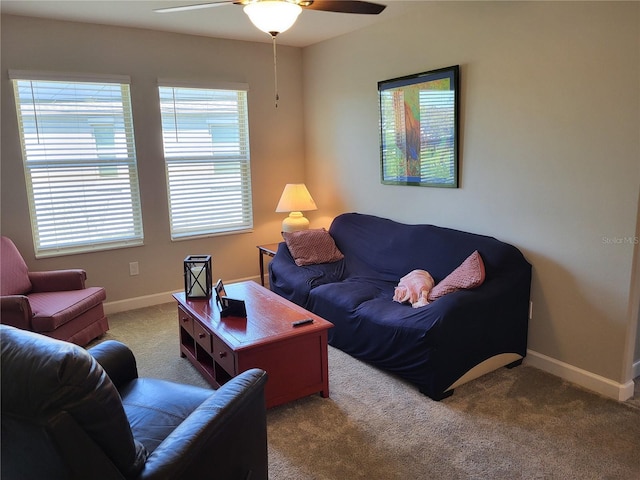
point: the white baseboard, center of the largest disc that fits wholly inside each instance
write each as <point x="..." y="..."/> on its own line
<point x="583" y="378"/>
<point x="150" y="300"/>
<point x="137" y="302"/>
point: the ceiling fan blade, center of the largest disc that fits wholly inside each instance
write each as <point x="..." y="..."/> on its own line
<point x="345" y="6"/>
<point x="193" y="7"/>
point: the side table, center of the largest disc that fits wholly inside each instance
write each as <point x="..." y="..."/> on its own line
<point x="268" y="249"/>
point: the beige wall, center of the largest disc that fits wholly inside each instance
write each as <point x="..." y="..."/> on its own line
<point x="550" y="150"/>
<point x="276" y="141"/>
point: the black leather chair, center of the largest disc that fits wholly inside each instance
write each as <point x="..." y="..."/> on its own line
<point x="69" y="413"/>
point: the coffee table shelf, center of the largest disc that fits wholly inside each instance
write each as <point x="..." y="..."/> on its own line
<point x="295" y="358"/>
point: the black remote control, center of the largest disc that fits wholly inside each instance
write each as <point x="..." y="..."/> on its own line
<point x="298" y="323"/>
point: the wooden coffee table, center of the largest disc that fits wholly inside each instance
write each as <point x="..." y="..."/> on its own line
<point x="295" y="358"/>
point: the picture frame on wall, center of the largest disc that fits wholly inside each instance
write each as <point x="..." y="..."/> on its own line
<point x="419" y="128"/>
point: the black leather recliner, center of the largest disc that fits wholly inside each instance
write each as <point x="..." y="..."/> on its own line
<point x="69" y="413"/>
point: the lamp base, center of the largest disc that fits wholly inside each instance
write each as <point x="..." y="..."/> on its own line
<point x="294" y="222"/>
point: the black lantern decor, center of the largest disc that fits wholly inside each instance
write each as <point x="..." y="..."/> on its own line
<point x="197" y="276"/>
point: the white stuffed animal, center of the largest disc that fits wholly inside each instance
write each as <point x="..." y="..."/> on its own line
<point x="414" y="288"/>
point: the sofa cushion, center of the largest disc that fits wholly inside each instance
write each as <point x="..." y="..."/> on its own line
<point x="155" y="407"/>
<point x="52" y="309"/>
<point x="470" y="274"/>
<point x="310" y="247"/>
<point x="14" y="273"/>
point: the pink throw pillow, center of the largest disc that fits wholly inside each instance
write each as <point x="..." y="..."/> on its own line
<point x="309" y="247"/>
<point x="470" y="274"/>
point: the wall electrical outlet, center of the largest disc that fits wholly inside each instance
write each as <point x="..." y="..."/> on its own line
<point x="133" y="269"/>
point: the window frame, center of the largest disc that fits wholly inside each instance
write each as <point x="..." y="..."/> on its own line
<point x="234" y="160"/>
<point x="114" y="171"/>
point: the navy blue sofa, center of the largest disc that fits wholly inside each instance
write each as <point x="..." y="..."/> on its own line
<point x="438" y="347"/>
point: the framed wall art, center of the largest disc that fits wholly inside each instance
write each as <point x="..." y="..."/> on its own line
<point x="419" y="123"/>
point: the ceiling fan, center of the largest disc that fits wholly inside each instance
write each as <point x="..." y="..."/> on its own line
<point x="340" y="6"/>
<point x="276" y="16"/>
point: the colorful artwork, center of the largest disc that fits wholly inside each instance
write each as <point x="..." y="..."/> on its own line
<point x="419" y="129"/>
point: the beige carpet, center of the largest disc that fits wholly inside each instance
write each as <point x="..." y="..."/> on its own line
<point x="510" y="424"/>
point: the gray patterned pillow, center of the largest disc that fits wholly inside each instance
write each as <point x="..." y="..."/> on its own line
<point x="309" y="247"/>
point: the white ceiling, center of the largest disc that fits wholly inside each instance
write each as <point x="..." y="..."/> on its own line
<point x="223" y="21"/>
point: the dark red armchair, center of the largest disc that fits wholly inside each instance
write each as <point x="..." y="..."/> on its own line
<point x="54" y="303"/>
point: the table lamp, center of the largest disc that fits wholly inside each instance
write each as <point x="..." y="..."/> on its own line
<point x="295" y="199"/>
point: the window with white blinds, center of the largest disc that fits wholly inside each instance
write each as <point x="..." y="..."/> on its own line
<point x="80" y="163"/>
<point x="206" y="149"/>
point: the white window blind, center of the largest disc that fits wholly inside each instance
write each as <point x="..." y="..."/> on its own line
<point x="206" y="149"/>
<point x="80" y="164"/>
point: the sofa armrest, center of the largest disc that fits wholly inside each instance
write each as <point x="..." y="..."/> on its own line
<point x="58" y="280"/>
<point x="475" y="325"/>
<point x="294" y="282"/>
<point x="15" y="310"/>
<point x="226" y="436"/>
<point x="497" y="312"/>
<point x="117" y="360"/>
<point x="288" y="279"/>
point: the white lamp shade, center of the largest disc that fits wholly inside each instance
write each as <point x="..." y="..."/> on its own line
<point x="296" y="198"/>
<point x="273" y="16"/>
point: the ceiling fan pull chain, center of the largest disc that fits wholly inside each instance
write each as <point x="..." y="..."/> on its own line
<point x="275" y="67"/>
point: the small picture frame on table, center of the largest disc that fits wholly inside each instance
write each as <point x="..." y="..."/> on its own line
<point x="220" y="292"/>
<point x="229" y="307"/>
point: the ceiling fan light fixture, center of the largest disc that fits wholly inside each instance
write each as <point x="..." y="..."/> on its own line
<point x="273" y="16"/>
